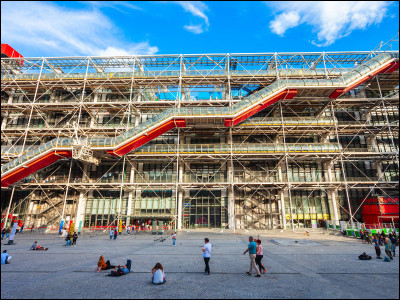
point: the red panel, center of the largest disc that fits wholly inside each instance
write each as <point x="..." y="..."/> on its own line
<point x="393" y="67"/>
<point x="34" y="166"/>
<point x="10" y="52"/>
<point x="150" y="136"/>
<point x="289" y="94"/>
<point x="336" y="93"/>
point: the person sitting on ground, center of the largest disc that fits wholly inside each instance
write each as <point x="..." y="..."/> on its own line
<point x="5" y="258"/>
<point x="103" y="265"/>
<point x="158" y="274"/>
<point x="121" y="269"/>
<point x="36" y="246"/>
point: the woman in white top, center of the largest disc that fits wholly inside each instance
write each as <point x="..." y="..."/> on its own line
<point x="158" y="274"/>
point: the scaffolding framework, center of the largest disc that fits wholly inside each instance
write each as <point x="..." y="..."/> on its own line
<point x="309" y="157"/>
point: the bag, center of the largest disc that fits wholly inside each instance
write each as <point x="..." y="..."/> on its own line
<point x="116" y="273"/>
<point x="364" y="256"/>
<point x="387" y="259"/>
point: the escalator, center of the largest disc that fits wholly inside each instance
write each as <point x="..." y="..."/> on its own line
<point x="37" y="158"/>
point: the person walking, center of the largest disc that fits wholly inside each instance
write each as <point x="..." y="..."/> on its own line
<point x="115" y="233"/>
<point x="74" y="238"/>
<point x="394" y="241"/>
<point x="388" y="248"/>
<point x="362" y="236"/>
<point x="259" y="257"/>
<point x="111" y="233"/>
<point x="377" y="247"/>
<point x="128" y="229"/>
<point x="22" y="227"/>
<point x="173" y="238"/>
<point x="207" y="255"/>
<point x="252" y="249"/>
<point x="133" y="230"/>
<point x="8" y="231"/>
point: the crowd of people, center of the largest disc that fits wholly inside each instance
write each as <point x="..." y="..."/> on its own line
<point x="390" y="242"/>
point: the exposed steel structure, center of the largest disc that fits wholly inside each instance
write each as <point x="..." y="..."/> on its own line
<point x="268" y="140"/>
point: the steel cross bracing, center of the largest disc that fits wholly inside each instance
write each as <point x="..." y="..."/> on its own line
<point x="335" y="64"/>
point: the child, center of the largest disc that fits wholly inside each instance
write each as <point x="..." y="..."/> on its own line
<point x="158" y="274"/>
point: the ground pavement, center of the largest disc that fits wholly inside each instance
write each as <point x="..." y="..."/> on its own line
<point x="318" y="266"/>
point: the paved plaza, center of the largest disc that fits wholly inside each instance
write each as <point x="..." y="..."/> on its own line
<point x="319" y="266"/>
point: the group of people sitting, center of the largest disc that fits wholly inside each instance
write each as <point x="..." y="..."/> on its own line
<point x="158" y="276"/>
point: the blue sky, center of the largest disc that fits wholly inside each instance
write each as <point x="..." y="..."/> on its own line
<point x="94" y="28"/>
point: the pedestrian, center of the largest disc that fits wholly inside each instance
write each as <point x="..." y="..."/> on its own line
<point x="393" y="240"/>
<point x="388" y="248"/>
<point x="173" y="238"/>
<point x="5" y="258"/>
<point x="252" y="249"/>
<point x="207" y="255"/>
<point x="158" y="274"/>
<point x="74" y="238"/>
<point x="367" y="237"/>
<point x="22" y="227"/>
<point x="377" y="247"/>
<point x="133" y="229"/>
<point x="362" y="236"/>
<point x="8" y="231"/>
<point x="259" y="257"/>
<point x="111" y="233"/>
<point x="3" y="233"/>
<point x="115" y="233"/>
<point x="69" y="239"/>
<point x="128" y="229"/>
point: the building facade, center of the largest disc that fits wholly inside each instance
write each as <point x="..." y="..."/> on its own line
<point x="245" y="141"/>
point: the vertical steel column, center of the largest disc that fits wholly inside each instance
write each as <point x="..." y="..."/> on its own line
<point x="9" y="206"/>
<point x="32" y="105"/>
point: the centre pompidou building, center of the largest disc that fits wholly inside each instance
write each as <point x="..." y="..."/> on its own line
<point x="245" y="141"/>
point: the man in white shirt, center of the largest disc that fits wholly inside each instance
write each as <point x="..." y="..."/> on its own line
<point x="207" y="255"/>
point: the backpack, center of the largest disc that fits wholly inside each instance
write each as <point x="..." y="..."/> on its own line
<point x="364" y="256"/>
<point x="116" y="273"/>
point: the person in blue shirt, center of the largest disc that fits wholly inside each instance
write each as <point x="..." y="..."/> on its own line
<point x="252" y="249"/>
<point x="125" y="269"/>
<point x="5" y="258"/>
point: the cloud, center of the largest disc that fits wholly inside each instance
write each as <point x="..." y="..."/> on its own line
<point x="57" y="31"/>
<point x="194" y="29"/>
<point x="330" y="20"/>
<point x="197" y="9"/>
<point x="112" y="4"/>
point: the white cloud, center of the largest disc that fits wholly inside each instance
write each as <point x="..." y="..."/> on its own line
<point x="284" y="22"/>
<point x="63" y="31"/>
<point x="197" y="9"/>
<point x="330" y="20"/>
<point x="141" y="48"/>
<point x="197" y="29"/>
